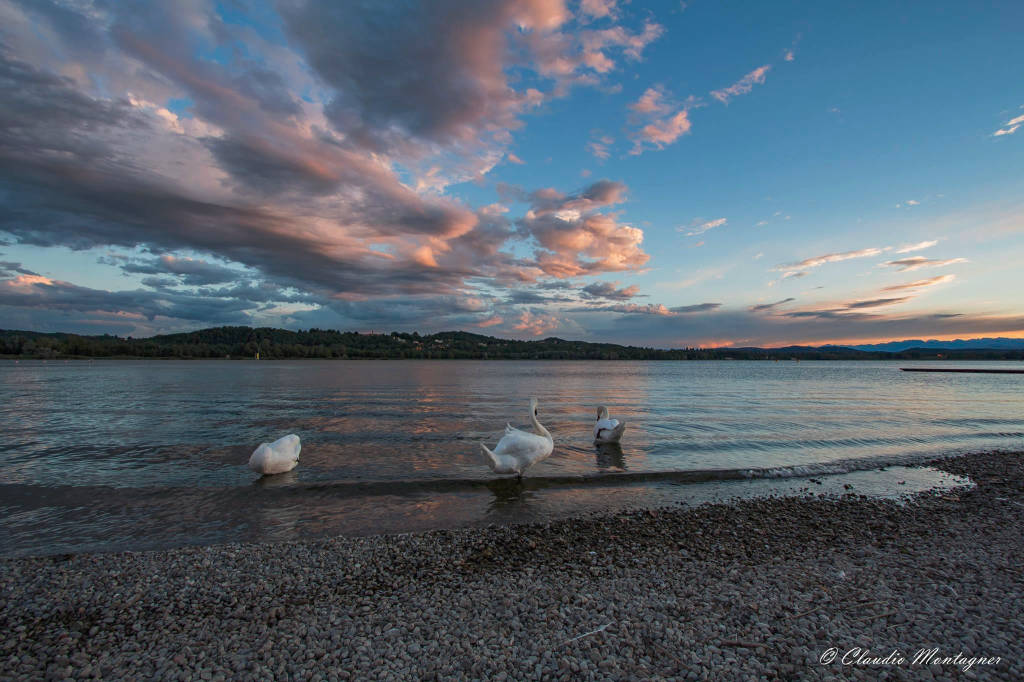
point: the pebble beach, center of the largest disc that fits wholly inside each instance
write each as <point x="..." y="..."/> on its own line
<point x="773" y="588"/>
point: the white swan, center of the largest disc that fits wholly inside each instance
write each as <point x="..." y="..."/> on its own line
<point x="607" y="430"/>
<point x="278" y="457"/>
<point x="519" y="450"/>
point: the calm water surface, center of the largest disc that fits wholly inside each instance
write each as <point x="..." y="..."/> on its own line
<point x="108" y="455"/>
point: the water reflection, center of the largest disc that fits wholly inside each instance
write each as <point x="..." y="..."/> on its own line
<point x="508" y="492"/>
<point x="128" y="448"/>
<point x="609" y="456"/>
<point x="288" y="478"/>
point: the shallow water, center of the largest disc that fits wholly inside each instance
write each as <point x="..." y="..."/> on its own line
<point x="105" y="455"/>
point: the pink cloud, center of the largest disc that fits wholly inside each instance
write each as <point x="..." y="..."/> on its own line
<point x="743" y="85"/>
<point x="662" y="132"/>
<point x="921" y="283"/>
<point x="658" y="126"/>
<point x="651" y="102"/>
<point x="576" y="239"/>
<point x="598" y="8"/>
<point x="535" y="324"/>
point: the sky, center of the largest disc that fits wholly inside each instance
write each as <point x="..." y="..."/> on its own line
<point x="662" y="174"/>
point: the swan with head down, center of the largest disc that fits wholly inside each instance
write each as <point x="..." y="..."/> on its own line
<point x="519" y="450"/>
<point x="607" y="430"/>
<point x="278" y="457"/>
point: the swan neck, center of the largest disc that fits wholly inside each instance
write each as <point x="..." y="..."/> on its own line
<point x="538" y="427"/>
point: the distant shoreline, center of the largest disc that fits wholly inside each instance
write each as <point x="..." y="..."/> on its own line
<point x="162" y="358"/>
<point x="323" y="344"/>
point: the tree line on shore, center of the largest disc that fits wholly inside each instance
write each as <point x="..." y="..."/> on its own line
<point x="270" y="343"/>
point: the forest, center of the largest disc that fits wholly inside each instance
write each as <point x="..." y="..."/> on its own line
<point x="270" y="343"/>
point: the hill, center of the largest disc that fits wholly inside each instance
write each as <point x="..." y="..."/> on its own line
<point x="1000" y="343"/>
<point x="246" y="342"/>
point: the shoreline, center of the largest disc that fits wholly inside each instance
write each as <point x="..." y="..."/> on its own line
<point x="757" y="587"/>
<point x="241" y="358"/>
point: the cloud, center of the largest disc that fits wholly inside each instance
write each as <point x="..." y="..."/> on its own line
<point x="515" y="159"/>
<point x="921" y="283"/>
<point x="799" y="269"/>
<point x="33" y="291"/>
<point x="11" y="269"/>
<point x="1011" y="127"/>
<point x="662" y="132"/>
<point x="598" y="9"/>
<point x="697" y="308"/>
<point x="191" y="271"/>
<point x="876" y="303"/>
<point x="599" y="147"/>
<point x="918" y="262"/>
<point x="743" y="85"/>
<point x="625" y="309"/>
<point x="575" y="238"/>
<point x="769" y="306"/>
<point x="608" y="290"/>
<point x="490" y="321"/>
<point x="652" y="102"/>
<point x="789" y="56"/>
<point x="316" y="166"/>
<point x="650" y="309"/>
<point x="917" y="247"/>
<point x="535" y="324"/>
<point x="596" y="43"/>
<point x="658" y="121"/>
<point x="697" y="227"/>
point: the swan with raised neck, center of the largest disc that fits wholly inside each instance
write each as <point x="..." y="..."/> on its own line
<point x="518" y="450"/>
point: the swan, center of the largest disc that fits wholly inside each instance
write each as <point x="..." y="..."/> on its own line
<point x="278" y="457"/>
<point x="518" y="450"/>
<point x="607" y="430"/>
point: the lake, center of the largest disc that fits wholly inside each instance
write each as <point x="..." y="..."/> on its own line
<point x="110" y="455"/>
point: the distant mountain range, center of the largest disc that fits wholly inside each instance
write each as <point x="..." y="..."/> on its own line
<point x="1001" y="343"/>
<point x="269" y="343"/>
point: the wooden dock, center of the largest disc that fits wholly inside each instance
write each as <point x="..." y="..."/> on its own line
<point x="966" y="371"/>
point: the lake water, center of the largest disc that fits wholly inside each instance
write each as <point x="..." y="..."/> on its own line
<point x="111" y="455"/>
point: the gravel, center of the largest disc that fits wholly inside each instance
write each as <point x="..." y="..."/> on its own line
<point x="759" y="589"/>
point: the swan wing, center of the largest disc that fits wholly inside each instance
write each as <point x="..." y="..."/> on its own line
<point x="604" y="424"/>
<point x="278" y="457"/>
<point x="609" y="430"/>
<point x="517" y="443"/>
